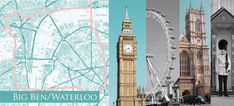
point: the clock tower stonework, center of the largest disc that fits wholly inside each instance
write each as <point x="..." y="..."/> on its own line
<point x="127" y="57"/>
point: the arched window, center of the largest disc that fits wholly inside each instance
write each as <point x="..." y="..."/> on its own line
<point x="198" y="25"/>
<point x="186" y="92"/>
<point x="184" y="64"/>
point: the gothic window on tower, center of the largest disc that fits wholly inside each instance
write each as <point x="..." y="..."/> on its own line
<point x="184" y="64"/>
<point x="198" y="25"/>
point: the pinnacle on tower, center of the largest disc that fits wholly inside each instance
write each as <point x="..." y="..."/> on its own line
<point x="126" y="12"/>
<point x="201" y="8"/>
<point x="190" y="5"/>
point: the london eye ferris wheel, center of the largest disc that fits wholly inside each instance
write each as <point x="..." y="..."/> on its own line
<point x="160" y="54"/>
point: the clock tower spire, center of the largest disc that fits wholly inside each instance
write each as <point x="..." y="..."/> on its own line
<point x="126" y="12"/>
<point x="127" y="58"/>
<point x="127" y="25"/>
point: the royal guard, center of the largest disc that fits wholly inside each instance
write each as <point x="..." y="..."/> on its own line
<point x="223" y="66"/>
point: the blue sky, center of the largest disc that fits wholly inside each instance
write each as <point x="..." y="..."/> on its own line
<point x="136" y="11"/>
<point x="196" y="4"/>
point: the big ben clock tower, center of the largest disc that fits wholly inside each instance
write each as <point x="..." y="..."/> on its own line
<point x="127" y="57"/>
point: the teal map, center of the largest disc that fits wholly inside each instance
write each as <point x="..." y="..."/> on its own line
<point x="58" y="45"/>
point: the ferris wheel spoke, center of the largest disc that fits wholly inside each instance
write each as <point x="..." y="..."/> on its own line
<point x="151" y="70"/>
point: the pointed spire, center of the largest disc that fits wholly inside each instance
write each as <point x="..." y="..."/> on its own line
<point x="190" y="4"/>
<point x="126" y="12"/>
<point x="201" y="6"/>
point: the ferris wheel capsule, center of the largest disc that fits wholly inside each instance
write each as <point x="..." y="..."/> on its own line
<point x="158" y="11"/>
<point x="173" y="47"/>
<point x="171" y="68"/>
<point x="152" y="9"/>
<point x="168" y="77"/>
<point x="149" y="56"/>
<point x="173" y="57"/>
<point x="164" y="85"/>
<point x="167" y="21"/>
<point x="172" y="37"/>
<point x="163" y="15"/>
<point x="171" y="29"/>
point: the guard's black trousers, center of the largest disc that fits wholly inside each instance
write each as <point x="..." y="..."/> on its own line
<point x="223" y="79"/>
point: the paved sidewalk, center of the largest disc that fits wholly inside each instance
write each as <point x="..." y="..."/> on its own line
<point x="218" y="101"/>
<point x="222" y="101"/>
<point x="197" y="105"/>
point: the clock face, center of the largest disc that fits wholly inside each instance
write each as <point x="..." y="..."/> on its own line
<point x="127" y="48"/>
<point x="198" y="41"/>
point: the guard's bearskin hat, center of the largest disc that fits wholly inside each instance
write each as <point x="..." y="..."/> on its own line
<point x="223" y="44"/>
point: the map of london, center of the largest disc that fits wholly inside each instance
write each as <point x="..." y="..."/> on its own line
<point x="59" y="45"/>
